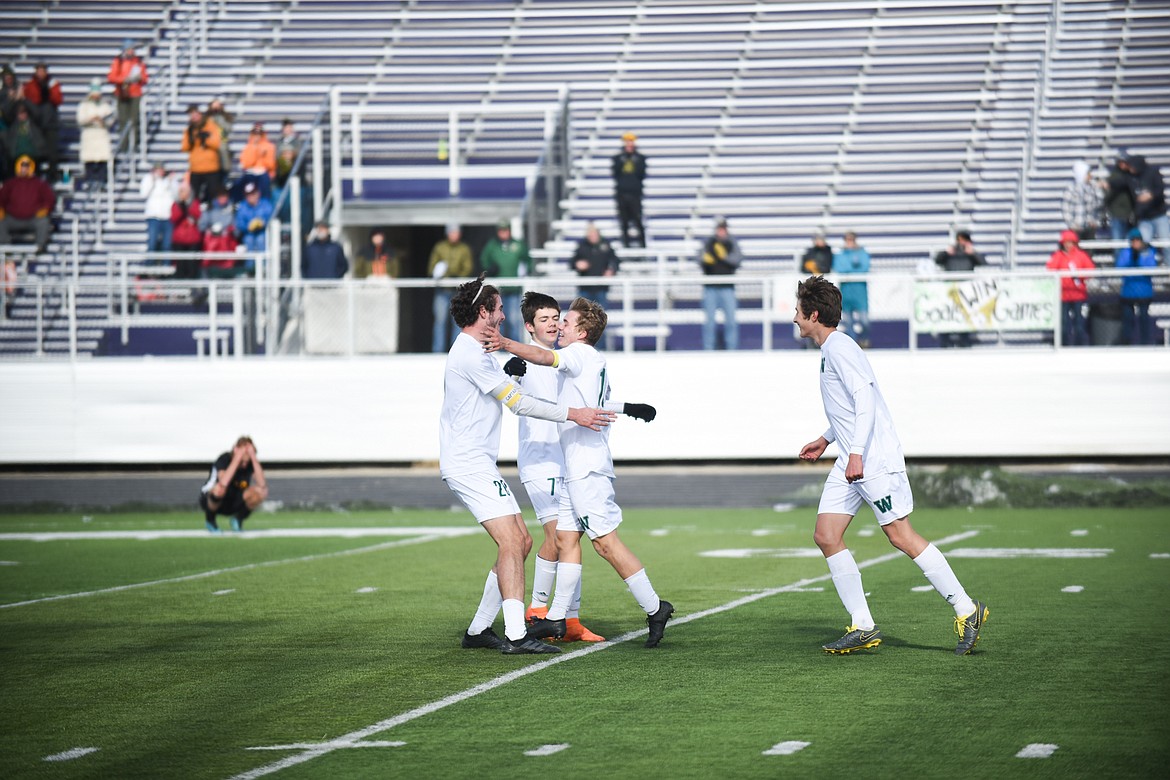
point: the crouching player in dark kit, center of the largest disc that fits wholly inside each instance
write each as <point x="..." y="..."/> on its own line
<point x="235" y="486"/>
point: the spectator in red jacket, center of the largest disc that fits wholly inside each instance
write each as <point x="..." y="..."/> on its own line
<point x="1073" y="291"/>
<point x="25" y="204"/>
<point x="185" y="233"/>
<point x="128" y="75"/>
<point x="219" y="239"/>
<point x="43" y="94"/>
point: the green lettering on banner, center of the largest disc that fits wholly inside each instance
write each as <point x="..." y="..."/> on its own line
<point x="884" y="504"/>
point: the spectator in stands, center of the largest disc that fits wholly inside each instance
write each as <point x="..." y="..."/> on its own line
<point x="960" y="257"/>
<point x="128" y="75"/>
<point x="252" y="217"/>
<point x="853" y="259"/>
<point x="25" y="204"/>
<point x="505" y="257"/>
<point x="1119" y="199"/>
<point x="629" y="174"/>
<point x="201" y="142"/>
<point x="818" y="258"/>
<point x="159" y="189"/>
<point x="1073" y="291"/>
<point x="186" y="235"/>
<point x="377" y="260"/>
<point x="450" y="259"/>
<point x="235" y="486"/>
<point x="287" y="148"/>
<point x="1136" y="291"/>
<point x="258" y="161"/>
<point x="720" y="257"/>
<point x="594" y="256"/>
<point x="218" y="117"/>
<point x="1083" y="202"/>
<point x="218" y="239"/>
<point x="23" y="138"/>
<point x="219" y="209"/>
<point x="94" y="117"/>
<point x="1149" y="199"/>
<point x="324" y="258"/>
<point x="43" y="94"/>
<point x="10" y="94"/>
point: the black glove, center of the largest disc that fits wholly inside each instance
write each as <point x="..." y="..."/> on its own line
<point x="515" y="367"/>
<point x="644" y="412"/>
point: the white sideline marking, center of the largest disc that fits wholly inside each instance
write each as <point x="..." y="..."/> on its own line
<point x="756" y="552"/>
<point x="223" y="592"/>
<point x="1072" y="589"/>
<point x="783" y="506"/>
<point x="1160" y="555"/>
<point x="1023" y="552"/>
<point x="504" y="679"/>
<point x="264" y="533"/>
<point x="69" y="755"/>
<point x="9" y="563"/>
<point x="336" y="744"/>
<point x="546" y="750"/>
<point x="366" y="590"/>
<point x="659" y="532"/>
<point x="786" y="748"/>
<point x="1079" y="532"/>
<point x="245" y="567"/>
<point x="922" y="588"/>
<point x="866" y="532"/>
<point x="1037" y="750"/>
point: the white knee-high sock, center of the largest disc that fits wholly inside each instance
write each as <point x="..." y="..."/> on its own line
<point x="847" y="580"/>
<point x="575" y="602"/>
<point x="514" y="626"/>
<point x="568" y="583"/>
<point x="639" y="585"/>
<point x="542" y="581"/>
<point x="489" y="606"/>
<point x="934" y="565"/>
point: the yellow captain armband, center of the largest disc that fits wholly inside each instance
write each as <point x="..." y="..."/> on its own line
<point x="509" y="396"/>
<point x="556" y="359"/>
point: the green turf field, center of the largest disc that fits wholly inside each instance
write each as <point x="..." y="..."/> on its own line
<point x="225" y="644"/>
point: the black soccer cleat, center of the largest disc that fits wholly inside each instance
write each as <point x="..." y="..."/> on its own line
<point x="657" y="622"/>
<point x="486" y="638"/>
<point x="543" y="628"/>
<point x="526" y="645"/>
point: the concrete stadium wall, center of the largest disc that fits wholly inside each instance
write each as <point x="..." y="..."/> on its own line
<point x="711" y="406"/>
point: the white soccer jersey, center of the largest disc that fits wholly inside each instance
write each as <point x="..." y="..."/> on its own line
<point x="469" y="427"/>
<point x="845" y="371"/>
<point x="584" y="384"/>
<point x="539" y="455"/>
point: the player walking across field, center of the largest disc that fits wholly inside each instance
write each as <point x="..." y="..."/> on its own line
<point x="235" y="486"/>
<point x="590" y="508"/>
<point x="870" y="467"/>
<point x="475" y="390"/>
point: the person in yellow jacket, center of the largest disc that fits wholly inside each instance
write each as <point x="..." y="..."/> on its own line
<point x="258" y="161"/>
<point x="201" y="143"/>
<point x="450" y="259"/>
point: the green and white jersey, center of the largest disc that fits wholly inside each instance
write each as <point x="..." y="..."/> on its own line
<point x="469" y="426"/>
<point x="584" y="384"/>
<point x="539" y="455"/>
<point x="859" y="420"/>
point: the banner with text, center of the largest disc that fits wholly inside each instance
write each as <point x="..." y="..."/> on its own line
<point x="986" y="304"/>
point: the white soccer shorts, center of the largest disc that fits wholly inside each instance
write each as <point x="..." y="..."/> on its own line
<point x="888" y="494"/>
<point x="591" y="506"/>
<point x="486" y="495"/>
<point x="545" y="495"/>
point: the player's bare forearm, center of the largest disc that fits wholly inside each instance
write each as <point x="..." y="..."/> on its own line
<point x="529" y="352"/>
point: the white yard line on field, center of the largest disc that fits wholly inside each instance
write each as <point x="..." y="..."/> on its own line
<point x="436" y="535"/>
<point x="264" y="533"/>
<point x="313" y="750"/>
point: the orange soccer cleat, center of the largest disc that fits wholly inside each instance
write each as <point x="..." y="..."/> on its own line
<point x="535" y="612"/>
<point x="575" y="632"/>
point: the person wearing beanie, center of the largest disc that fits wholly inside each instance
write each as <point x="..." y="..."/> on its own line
<point x="94" y="117"/>
<point x="43" y="95"/>
<point x="377" y="260"/>
<point x="129" y="77"/>
<point x="629" y="173"/>
<point x="10" y="94"/>
<point x="1136" y="291"/>
<point x="1083" y="202"/>
<point x="25" y="204"/>
<point x="720" y="256"/>
<point x="450" y="259"/>
<point x="1073" y="290"/>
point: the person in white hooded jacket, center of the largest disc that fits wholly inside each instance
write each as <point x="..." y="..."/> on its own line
<point x="159" y="189"/>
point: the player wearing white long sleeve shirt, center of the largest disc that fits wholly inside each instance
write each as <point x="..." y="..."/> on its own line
<point x="870" y="467"/>
<point x="475" y="391"/>
<point x="589" y="473"/>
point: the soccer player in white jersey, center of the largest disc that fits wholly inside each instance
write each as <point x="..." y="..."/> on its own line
<point x="589" y="475"/>
<point x="870" y="467"/>
<point x="541" y="463"/>
<point x="475" y="390"/>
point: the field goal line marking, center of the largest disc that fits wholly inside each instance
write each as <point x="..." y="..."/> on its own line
<point x="351" y="740"/>
<point x="432" y="537"/>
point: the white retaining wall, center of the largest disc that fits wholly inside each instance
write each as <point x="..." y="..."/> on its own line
<point x="954" y="403"/>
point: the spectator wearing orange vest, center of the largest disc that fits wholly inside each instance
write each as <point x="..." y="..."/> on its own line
<point x="201" y="143"/>
<point x="258" y="162"/>
<point x="128" y="75"/>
